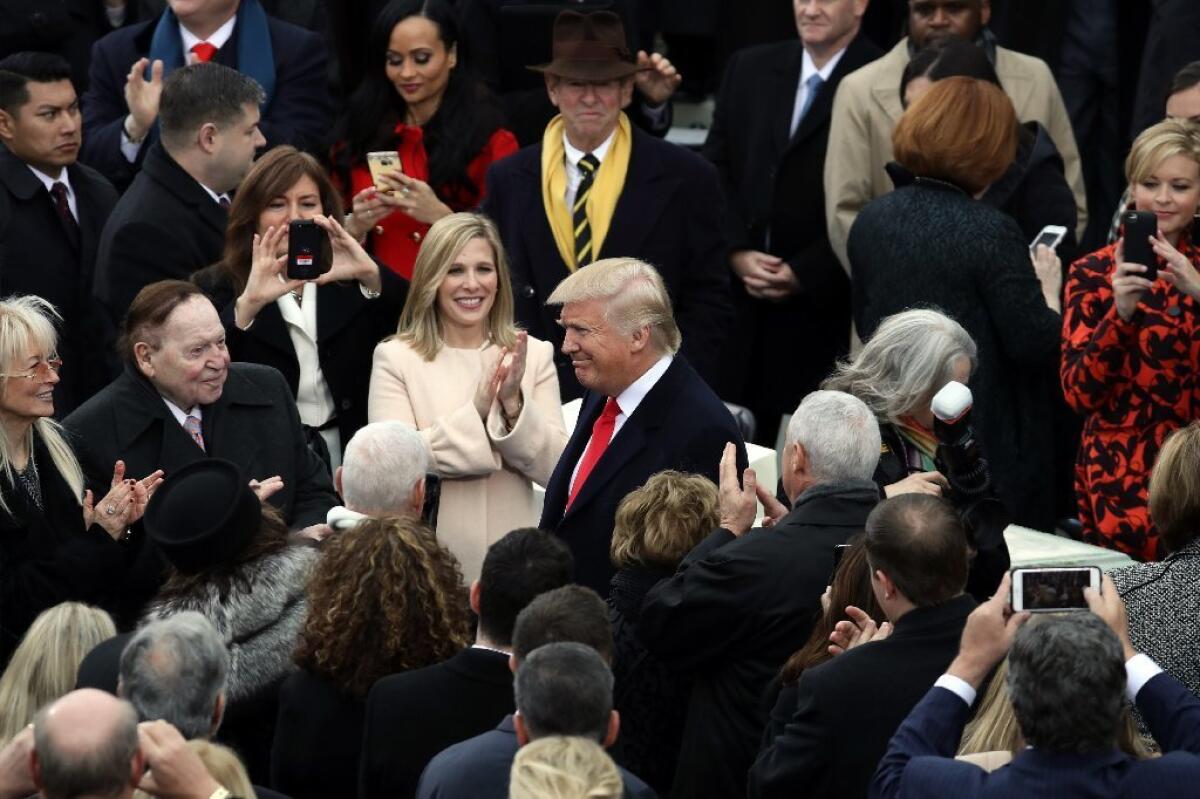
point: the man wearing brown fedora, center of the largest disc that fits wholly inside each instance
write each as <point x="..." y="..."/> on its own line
<point x="597" y="187"/>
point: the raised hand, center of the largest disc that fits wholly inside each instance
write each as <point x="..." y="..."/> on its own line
<point x="1179" y="270"/>
<point x="142" y="97"/>
<point x="658" y="78"/>
<point x="858" y="630"/>
<point x="350" y="260"/>
<point x="267" y="280"/>
<point x="737" y="503"/>
<point x="513" y="363"/>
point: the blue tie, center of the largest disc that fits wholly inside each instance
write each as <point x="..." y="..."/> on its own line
<point x="813" y="83"/>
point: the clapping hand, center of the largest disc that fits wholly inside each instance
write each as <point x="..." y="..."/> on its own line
<point x="124" y="504"/>
<point x="264" y="489"/>
<point x="512" y="367"/>
<point x="858" y="630"/>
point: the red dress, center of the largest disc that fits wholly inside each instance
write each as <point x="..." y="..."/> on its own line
<point x="1136" y="382"/>
<point x="402" y="235"/>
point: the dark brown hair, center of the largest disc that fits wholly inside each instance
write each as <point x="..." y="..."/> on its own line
<point x="960" y="130"/>
<point x="1174" y="491"/>
<point x="385" y="597"/>
<point x="149" y="311"/>
<point x="919" y="542"/>
<point x="272" y="176"/>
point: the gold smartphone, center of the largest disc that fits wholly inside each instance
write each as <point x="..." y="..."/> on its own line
<point x="383" y="162"/>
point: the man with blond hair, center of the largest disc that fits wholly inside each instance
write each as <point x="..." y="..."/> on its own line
<point x="645" y="409"/>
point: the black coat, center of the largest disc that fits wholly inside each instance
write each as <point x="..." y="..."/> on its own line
<point x="47" y="556"/>
<point x="318" y="737"/>
<point x="669" y="215"/>
<point x="680" y="424"/>
<point x="774" y="182"/>
<point x="465" y="696"/>
<point x="254" y="424"/>
<point x="348" y="328"/>
<point x="165" y="227"/>
<point x="733" y="613"/>
<point x="849" y="707"/>
<point x="37" y="257"/>
<point x="931" y="245"/>
<point x="299" y="114"/>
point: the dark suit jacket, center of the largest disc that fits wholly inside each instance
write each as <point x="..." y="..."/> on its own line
<point x="849" y="707"/>
<point x="299" y="113"/>
<point x="254" y="424"/>
<point x="479" y="767"/>
<point x="318" y="737"/>
<point x="680" y="424"/>
<point x="762" y="592"/>
<point x="668" y="215"/>
<point x="37" y="257"/>
<point x="165" y="227"/>
<point x="773" y="182"/>
<point x="348" y="328"/>
<point x="456" y="700"/>
<point x="920" y="762"/>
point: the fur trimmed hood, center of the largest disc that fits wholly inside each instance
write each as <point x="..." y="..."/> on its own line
<point x="259" y="626"/>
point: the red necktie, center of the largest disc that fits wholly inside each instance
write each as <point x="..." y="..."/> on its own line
<point x="203" y="52"/>
<point x="602" y="432"/>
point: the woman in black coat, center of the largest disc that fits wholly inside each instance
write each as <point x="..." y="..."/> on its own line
<point x="319" y="334"/>
<point x="56" y="545"/>
<point x="933" y="244"/>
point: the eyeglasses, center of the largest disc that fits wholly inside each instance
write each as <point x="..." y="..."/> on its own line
<point x="40" y="371"/>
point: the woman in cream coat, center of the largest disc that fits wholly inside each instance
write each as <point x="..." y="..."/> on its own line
<point x="483" y="394"/>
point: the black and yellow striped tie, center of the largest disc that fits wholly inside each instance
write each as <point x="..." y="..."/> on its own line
<point x="584" y="254"/>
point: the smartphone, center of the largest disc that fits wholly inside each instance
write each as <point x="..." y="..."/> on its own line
<point x="839" y="550"/>
<point x="310" y="253"/>
<point x="1052" y="590"/>
<point x="1051" y="236"/>
<point x="1139" y="227"/>
<point x="381" y="162"/>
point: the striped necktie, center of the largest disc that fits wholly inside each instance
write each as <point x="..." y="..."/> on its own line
<point x="192" y="425"/>
<point x="584" y="254"/>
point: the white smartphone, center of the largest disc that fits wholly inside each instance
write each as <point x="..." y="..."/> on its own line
<point x="1051" y="236"/>
<point x="1053" y="590"/>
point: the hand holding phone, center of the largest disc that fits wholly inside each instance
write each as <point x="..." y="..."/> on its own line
<point x="381" y="163"/>
<point x="1053" y="589"/>
<point x="1050" y="235"/>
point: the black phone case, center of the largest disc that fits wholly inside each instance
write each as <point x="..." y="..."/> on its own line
<point x="1139" y="227"/>
<point x="310" y="253"/>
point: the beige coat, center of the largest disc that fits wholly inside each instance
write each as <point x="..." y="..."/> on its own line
<point x="487" y="474"/>
<point x="867" y="107"/>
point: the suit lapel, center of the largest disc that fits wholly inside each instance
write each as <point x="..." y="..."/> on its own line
<point x="781" y="94"/>
<point x="142" y="411"/>
<point x="336" y="307"/>
<point x="270" y="329"/>
<point x="646" y="192"/>
<point x="223" y="439"/>
<point x="857" y="54"/>
<point x="160" y="166"/>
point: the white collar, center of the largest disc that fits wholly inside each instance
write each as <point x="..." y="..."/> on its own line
<point x="632" y="397"/>
<point x="215" y="197"/>
<point x="182" y="415"/>
<point x="573" y="153"/>
<point x="217" y="40"/>
<point x="808" y="68"/>
<point x="49" y="182"/>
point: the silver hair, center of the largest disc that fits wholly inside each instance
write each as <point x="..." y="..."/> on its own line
<point x="908" y="359"/>
<point x="840" y="435"/>
<point x="103" y="771"/>
<point x="384" y="461"/>
<point x="634" y="294"/>
<point x="175" y="669"/>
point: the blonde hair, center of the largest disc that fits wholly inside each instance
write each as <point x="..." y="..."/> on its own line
<point x="659" y="523"/>
<point x="564" y="767"/>
<point x="634" y="294"/>
<point x="1159" y="142"/>
<point x="1174" y="490"/>
<point x="223" y="765"/>
<point x="420" y="323"/>
<point x="45" y="665"/>
<point x="27" y="322"/>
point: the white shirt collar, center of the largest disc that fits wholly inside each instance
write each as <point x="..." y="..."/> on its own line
<point x="573" y="153"/>
<point x="217" y="40"/>
<point x="808" y="68"/>
<point x="216" y="197"/>
<point x="49" y="182"/>
<point x="182" y="415"/>
<point x="632" y="397"/>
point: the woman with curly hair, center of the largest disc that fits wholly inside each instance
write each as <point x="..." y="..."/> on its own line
<point x="384" y="598"/>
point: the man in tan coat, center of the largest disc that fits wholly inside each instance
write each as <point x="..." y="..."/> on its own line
<point x="867" y="107"/>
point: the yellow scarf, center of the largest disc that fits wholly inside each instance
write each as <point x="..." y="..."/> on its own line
<point x="601" y="201"/>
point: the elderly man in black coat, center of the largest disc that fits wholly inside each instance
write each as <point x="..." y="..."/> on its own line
<point x="180" y="400"/>
<point x="743" y="600"/>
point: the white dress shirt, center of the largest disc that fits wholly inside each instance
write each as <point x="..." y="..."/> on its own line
<point x="807" y="70"/>
<point x="182" y="415"/>
<point x="573" y="154"/>
<point x="62" y="178"/>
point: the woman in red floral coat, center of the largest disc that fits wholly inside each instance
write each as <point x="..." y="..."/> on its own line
<point x="1131" y="350"/>
<point x="418" y="101"/>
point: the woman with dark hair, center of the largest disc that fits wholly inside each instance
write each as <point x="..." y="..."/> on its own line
<point x="320" y="333"/>
<point x="385" y="598"/>
<point x="419" y="100"/>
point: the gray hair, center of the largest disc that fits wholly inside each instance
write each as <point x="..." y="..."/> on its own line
<point x="635" y="296"/>
<point x="383" y="462"/>
<point x="840" y="435"/>
<point x="565" y="689"/>
<point x="174" y="669"/>
<point x="906" y="361"/>
<point x="195" y="95"/>
<point x="103" y="771"/>
<point x="1066" y="679"/>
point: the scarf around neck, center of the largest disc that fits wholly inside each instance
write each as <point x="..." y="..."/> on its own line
<point x="601" y="201"/>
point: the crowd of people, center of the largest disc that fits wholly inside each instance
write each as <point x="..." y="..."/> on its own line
<point x="292" y="301"/>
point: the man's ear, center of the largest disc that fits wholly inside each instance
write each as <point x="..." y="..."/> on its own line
<point x="337" y="480"/>
<point x="137" y="768"/>
<point x="473" y="598"/>
<point x="640" y="339"/>
<point x="801" y="461"/>
<point x="519" y="726"/>
<point x="8" y="124"/>
<point x="513" y="665"/>
<point x="417" y="502"/>
<point x="886" y="586"/>
<point x="141" y="356"/>
<point x="552" y="83"/>
<point x="207" y="137"/>
<point x="614" y="729"/>
<point x="218" y="713"/>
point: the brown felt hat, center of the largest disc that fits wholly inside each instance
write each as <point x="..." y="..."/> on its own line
<point x="589" y="47"/>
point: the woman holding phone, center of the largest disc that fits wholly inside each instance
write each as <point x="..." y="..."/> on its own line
<point x="418" y="101"/>
<point x="1131" y="350"/>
